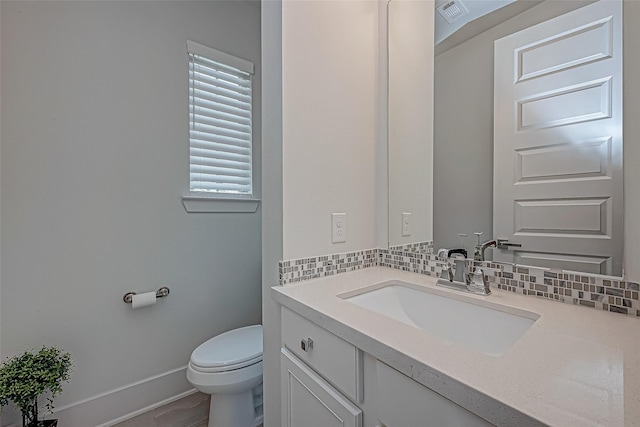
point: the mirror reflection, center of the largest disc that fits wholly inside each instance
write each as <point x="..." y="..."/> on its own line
<point x="527" y="133"/>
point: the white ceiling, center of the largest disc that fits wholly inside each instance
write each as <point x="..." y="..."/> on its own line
<point x="476" y="8"/>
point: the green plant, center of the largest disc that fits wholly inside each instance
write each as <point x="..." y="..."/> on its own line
<point x="23" y="378"/>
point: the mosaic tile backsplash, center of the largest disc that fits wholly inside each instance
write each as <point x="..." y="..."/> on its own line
<point x="420" y="247"/>
<point x="297" y="270"/>
<point x="588" y="290"/>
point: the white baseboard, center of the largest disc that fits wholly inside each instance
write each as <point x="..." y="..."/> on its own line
<point x="149" y="408"/>
<point x="126" y="402"/>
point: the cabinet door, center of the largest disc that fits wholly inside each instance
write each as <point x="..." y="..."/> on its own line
<point x="403" y="402"/>
<point x="309" y="401"/>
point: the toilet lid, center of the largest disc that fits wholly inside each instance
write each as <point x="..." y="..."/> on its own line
<point x="230" y="348"/>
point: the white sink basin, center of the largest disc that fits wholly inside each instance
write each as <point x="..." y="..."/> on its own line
<point x="478" y="324"/>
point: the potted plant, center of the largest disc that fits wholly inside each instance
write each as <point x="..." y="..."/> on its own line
<point x="23" y="378"/>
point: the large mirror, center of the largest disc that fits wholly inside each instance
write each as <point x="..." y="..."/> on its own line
<point x="557" y="145"/>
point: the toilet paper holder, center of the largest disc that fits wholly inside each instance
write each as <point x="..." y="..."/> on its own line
<point x="160" y="293"/>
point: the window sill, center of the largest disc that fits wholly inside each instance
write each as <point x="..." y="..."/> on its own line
<point x="200" y="204"/>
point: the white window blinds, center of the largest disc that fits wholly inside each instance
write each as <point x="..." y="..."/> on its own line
<point x="219" y="122"/>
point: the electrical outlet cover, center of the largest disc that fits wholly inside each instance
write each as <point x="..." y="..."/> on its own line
<point x="338" y="227"/>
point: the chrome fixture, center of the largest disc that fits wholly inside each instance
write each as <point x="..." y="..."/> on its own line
<point x="462" y="279"/>
<point x="449" y="267"/>
<point x="306" y="345"/>
<point x="478" y="253"/>
<point x="160" y="293"/>
<point x="504" y="244"/>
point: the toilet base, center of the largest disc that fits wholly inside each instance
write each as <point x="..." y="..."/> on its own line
<point x="232" y="410"/>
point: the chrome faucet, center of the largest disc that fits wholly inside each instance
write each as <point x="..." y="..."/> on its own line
<point x="462" y="279"/>
<point x="478" y="253"/>
<point x="478" y="283"/>
<point x="459" y="274"/>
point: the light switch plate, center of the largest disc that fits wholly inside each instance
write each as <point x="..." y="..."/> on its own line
<point x="406" y="222"/>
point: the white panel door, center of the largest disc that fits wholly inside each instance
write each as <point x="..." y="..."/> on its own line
<point x="309" y="401"/>
<point x="558" y="142"/>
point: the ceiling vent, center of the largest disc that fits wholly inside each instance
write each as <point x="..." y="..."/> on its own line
<point x="452" y="10"/>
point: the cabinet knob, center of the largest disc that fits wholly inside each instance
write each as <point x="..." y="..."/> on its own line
<point x="306" y="345"/>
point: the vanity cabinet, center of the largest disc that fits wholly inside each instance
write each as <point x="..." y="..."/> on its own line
<point x="324" y="379"/>
<point x="334" y="358"/>
<point x="402" y="401"/>
<point x="309" y="401"/>
<point x="320" y="373"/>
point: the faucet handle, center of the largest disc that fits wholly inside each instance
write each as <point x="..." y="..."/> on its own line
<point x="460" y="251"/>
<point x="478" y="282"/>
<point x="478" y="234"/>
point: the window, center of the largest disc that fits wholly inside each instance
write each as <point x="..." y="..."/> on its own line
<point x="220" y="124"/>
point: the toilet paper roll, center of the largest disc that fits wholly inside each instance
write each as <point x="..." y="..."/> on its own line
<point x="143" y="300"/>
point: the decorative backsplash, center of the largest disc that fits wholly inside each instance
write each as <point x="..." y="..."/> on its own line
<point x="297" y="270"/>
<point x="589" y="290"/>
<point x="593" y="291"/>
<point x="420" y="247"/>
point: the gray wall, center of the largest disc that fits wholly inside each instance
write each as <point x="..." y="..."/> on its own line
<point x="94" y="161"/>
<point x="463" y="130"/>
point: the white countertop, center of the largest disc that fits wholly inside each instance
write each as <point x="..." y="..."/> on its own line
<point x="575" y="366"/>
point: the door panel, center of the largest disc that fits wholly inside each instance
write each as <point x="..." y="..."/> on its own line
<point x="594" y="265"/>
<point x="557" y="216"/>
<point x="565" y="106"/>
<point x="564" y="161"/>
<point x="309" y="401"/>
<point x="579" y="46"/>
<point x="558" y="142"/>
<point x="307" y="409"/>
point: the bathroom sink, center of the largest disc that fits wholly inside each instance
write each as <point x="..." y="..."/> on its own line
<point x="479" y="324"/>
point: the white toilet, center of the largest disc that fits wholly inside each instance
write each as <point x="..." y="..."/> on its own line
<point x="229" y="367"/>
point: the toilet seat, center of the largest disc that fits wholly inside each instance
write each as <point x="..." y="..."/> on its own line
<point x="231" y="350"/>
<point x="228" y="382"/>
<point x="208" y="369"/>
